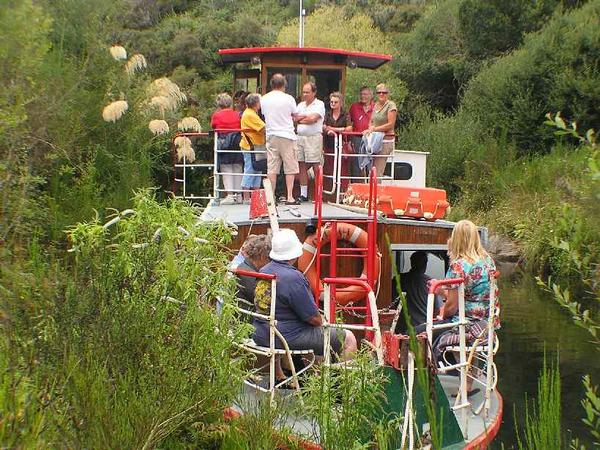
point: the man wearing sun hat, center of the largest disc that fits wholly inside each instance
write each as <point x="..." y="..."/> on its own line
<point x="298" y="318"/>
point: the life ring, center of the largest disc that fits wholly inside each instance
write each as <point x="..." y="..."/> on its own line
<point x="307" y="264"/>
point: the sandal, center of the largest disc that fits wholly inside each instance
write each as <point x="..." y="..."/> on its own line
<point x="295" y="202"/>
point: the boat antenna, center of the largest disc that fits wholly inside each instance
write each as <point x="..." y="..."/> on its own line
<point x="301" y="30"/>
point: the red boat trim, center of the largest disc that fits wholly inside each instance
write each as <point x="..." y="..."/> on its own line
<point x="365" y="60"/>
<point x="484" y="439"/>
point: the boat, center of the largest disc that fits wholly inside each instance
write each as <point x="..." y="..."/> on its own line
<point x="353" y="248"/>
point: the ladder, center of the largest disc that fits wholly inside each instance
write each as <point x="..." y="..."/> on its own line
<point x="368" y="254"/>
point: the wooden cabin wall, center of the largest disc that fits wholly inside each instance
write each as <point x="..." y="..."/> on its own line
<point x="396" y="233"/>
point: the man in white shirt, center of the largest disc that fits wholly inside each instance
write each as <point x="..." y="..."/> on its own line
<point x="279" y="110"/>
<point x="311" y="112"/>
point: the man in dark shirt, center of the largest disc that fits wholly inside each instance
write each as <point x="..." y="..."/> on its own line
<point x="298" y="319"/>
<point x="416" y="283"/>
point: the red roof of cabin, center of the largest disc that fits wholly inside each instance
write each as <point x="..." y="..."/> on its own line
<point x="362" y="59"/>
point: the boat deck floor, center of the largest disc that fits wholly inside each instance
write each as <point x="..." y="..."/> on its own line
<point x="239" y="214"/>
<point x="477" y="424"/>
<point x="480" y="429"/>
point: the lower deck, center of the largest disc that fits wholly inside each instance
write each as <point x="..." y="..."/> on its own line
<point x="480" y="429"/>
<point x="393" y="235"/>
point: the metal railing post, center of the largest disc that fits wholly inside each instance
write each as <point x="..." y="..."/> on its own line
<point x="272" y="354"/>
<point x="216" y="178"/>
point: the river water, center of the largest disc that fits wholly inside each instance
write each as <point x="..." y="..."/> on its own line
<point x="532" y="322"/>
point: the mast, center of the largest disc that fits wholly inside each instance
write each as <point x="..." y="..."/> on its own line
<point x="301" y="28"/>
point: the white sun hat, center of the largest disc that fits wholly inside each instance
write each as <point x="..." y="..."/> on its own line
<point x="285" y="245"/>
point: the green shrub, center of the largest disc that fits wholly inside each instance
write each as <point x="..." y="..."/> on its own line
<point x="450" y="142"/>
<point x="453" y="40"/>
<point x="125" y="338"/>
<point x="556" y="69"/>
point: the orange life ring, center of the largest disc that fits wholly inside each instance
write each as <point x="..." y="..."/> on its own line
<point x="346" y="232"/>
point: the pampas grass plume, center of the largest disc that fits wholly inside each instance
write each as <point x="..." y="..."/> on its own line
<point x="158" y="127"/>
<point x="187" y="152"/>
<point x="164" y="87"/>
<point x="136" y="63"/>
<point x="113" y="111"/>
<point x="119" y="53"/>
<point x="184" y="149"/>
<point x="163" y="103"/>
<point x="182" y="141"/>
<point x="189" y="124"/>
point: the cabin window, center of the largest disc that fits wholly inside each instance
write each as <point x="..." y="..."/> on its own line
<point x="247" y="80"/>
<point x="437" y="264"/>
<point x="293" y="78"/>
<point x="327" y="81"/>
<point x="402" y="171"/>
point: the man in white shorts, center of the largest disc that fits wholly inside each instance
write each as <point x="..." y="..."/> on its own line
<point x="279" y="110"/>
<point x="311" y="112"/>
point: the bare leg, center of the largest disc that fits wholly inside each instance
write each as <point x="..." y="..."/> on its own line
<point x="273" y="179"/>
<point x="303" y="175"/>
<point x="289" y="184"/>
<point x="350" y="346"/>
<point x="279" y="375"/>
<point x="380" y="162"/>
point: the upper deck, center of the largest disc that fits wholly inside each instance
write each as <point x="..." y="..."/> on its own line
<point x="238" y="214"/>
<point x="326" y="67"/>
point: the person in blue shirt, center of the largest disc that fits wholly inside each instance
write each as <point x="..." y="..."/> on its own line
<point x="298" y="319"/>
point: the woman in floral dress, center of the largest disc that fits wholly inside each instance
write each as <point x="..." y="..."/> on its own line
<point x="468" y="260"/>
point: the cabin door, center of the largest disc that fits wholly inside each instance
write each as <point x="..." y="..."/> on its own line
<point x="327" y="81"/>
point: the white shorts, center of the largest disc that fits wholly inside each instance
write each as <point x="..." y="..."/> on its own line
<point x="310" y="149"/>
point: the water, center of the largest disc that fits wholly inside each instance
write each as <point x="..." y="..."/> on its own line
<point x="532" y="322"/>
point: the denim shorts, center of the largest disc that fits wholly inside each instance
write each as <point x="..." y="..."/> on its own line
<point x="250" y="181"/>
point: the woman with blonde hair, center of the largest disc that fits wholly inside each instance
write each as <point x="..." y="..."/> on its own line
<point x="470" y="261"/>
<point x="335" y="122"/>
<point x="383" y="120"/>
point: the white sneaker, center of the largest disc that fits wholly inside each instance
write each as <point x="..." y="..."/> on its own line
<point x="229" y="200"/>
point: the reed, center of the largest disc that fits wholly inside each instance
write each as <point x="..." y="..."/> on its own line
<point x="542" y="429"/>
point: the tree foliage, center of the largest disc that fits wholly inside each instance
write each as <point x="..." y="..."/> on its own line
<point x="454" y="38"/>
<point x="556" y="69"/>
<point x="326" y="27"/>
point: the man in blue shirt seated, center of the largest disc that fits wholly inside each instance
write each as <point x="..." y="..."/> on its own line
<point x="298" y="319"/>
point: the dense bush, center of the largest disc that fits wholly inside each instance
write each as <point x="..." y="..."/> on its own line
<point x="556" y="69"/>
<point x="121" y="347"/>
<point x="454" y="38"/>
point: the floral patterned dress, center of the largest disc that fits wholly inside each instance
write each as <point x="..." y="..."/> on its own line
<point x="477" y="276"/>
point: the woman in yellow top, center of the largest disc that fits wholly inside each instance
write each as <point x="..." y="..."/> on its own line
<point x="383" y="120"/>
<point x="253" y="136"/>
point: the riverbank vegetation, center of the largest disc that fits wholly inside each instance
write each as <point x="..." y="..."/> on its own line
<point x="114" y="343"/>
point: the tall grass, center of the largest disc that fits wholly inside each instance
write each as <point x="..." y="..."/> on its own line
<point x="542" y="429"/>
<point x="346" y="403"/>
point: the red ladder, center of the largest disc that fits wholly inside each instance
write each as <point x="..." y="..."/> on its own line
<point x="368" y="253"/>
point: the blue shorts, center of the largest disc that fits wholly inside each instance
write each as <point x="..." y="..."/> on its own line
<point x="250" y="180"/>
<point x="311" y="338"/>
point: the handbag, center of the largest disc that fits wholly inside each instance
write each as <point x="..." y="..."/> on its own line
<point x="229" y="141"/>
<point x="259" y="160"/>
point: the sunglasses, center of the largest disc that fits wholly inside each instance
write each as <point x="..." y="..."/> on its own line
<point x="383" y="92"/>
